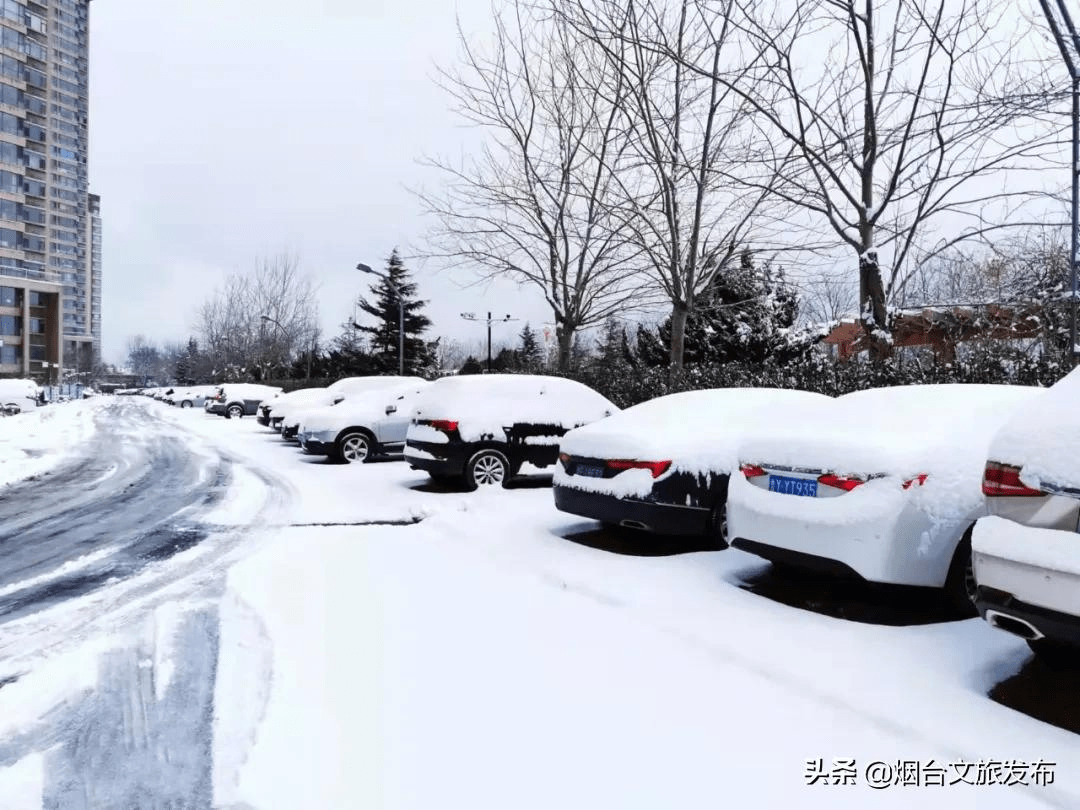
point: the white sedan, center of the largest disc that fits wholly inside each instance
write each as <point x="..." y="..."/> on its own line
<point x="364" y="424"/>
<point x="1027" y="554"/>
<point x="883" y="485"/>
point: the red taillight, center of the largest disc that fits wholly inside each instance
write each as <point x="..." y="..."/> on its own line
<point x="564" y="458"/>
<point x="1004" y="480"/>
<point x="657" y="468"/>
<point x="919" y="479"/>
<point x="752" y="470"/>
<point x="844" y="482"/>
<point x="445" y="425"/>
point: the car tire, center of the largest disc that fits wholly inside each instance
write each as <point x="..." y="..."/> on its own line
<point x="718" y="527"/>
<point x="1056" y="655"/>
<point x="487" y="468"/>
<point x="355" y="447"/>
<point x="236" y="411"/>
<point x="960" y="582"/>
<point x="186" y="403"/>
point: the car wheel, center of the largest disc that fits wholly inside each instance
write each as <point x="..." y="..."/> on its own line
<point x="234" y="411"/>
<point x="718" y="528"/>
<point x="354" y="447"/>
<point x="1055" y="654"/>
<point x="185" y="404"/>
<point x="960" y="585"/>
<point x="488" y="468"/>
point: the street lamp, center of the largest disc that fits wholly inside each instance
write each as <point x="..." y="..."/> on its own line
<point x="363" y="268"/>
<point x="471" y="316"/>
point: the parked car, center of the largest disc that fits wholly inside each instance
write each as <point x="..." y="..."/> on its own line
<point x="1027" y="553"/>
<point x="663" y="465"/>
<point x="17" y="396"/>
<point x="884" y="484"/>
<point x="364" y="424"/>
<point x="191" y="397"/>
<point x="483" y="430"/>
<point x="286" y="410"/>
<point x="239" y="399"/>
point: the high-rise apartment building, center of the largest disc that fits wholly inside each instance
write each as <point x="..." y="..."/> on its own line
<point x="50" y="225"/>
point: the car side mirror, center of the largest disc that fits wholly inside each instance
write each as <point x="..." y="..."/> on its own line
<point x="391" y="408"/>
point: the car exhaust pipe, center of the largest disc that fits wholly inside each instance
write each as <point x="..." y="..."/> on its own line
<point x="633" y="524"/>
<point x="1011" y="624"/>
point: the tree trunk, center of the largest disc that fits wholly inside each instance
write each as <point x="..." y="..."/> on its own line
<point x="565" y="337"/>
<point x="679" y="314"/>
<point x="872" y="305"/>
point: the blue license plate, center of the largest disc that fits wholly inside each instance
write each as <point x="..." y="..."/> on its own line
<point x="793" y="486"/>
<point x="589" y="470"/>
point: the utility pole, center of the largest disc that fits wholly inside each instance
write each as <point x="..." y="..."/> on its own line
<point x="471" y="316"/>
<point x="1068" y="42"/>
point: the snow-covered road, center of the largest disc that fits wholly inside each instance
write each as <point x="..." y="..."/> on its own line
<point x="349" y="636"/>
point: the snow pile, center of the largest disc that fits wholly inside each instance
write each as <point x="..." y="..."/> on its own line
<point x="1044" y="437"/>
<point x="698" y="431"/>
<point x="1042" y="548"/>
<point x="483" y="405"/>
<point x="31" y="443"/>
<point x="23" y="393"/>
<point x="942" y="431"/>
<point x="284" y="405"/>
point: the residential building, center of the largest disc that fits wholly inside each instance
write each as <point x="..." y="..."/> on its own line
<point x="50" y="227"/>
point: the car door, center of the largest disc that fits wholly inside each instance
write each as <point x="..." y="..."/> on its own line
<point x="397" y="415"/>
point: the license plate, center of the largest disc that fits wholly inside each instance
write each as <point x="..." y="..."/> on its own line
<point x="793" y="486"/>
<point x="589" y="470"/>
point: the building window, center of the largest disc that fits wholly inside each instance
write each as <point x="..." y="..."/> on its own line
<point x="10" y="325"/>
<point x="37" y="352"/>
<point x="10" y="355"/>
<point x="37" y="326"/>
<point x="37" y="299"/>
<point x="10" y="297"/>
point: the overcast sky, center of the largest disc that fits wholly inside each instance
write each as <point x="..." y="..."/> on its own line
<point x="222" y="131"/>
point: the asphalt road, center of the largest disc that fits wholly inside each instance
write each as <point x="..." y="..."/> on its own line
<point x="131" y="497"/>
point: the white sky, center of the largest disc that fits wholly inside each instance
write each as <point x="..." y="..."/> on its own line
<point x="223" y="131"/>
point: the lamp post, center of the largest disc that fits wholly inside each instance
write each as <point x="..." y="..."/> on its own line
<point x="470" y="316"/>
<point x="363" y="268"/>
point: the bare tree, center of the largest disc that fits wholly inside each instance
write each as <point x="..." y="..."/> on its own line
<point x="534" y="203"/>
<point x="237" y="337"/>
<point x="699" y="177"/>
<point x="900" y="111"/>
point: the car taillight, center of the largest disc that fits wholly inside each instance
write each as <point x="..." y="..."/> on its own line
<point x="752" y="470"/>
<point x="657" y="468"/>
<point x="1004" y="480"/>
<point x="844" y="482"/>
<point x="919" y="479"/>
<point x="445" y="425"/>
<point x="564" y="458"/>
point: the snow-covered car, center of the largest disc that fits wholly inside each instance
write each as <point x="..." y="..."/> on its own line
<point x="239" y="399"/>
<point x="363" y="425"/>
<point x="1027" y="553"/>
<point x="191" y="397"/>
<point x="286" y="410"/>
<point x="883" y="484"/>
<point x="485" y="429"/>
<point x="663" y="465"/>
<point x="17" y="396"/>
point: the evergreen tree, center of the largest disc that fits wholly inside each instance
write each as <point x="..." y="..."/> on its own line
<point x="419" y="356"/>
<point x="747" y="315"/>
<point x="471" y="366"/>
<point x="531" y="352"/>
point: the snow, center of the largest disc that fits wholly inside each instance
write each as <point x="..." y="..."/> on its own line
<point x="234" y="391"/>
<point x="1044" y="437"/>
<point x="1041" y="548"/>
<point x="942" y="431"/>
<point x="477" y="658"/>
<point x="484" y="404"/>
<point x="34" y="442"/>
<point x="698" y="431"/>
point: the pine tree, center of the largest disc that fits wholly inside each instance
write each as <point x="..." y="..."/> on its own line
<point x="419" y="356"/>
<point x="531" y="352"/>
